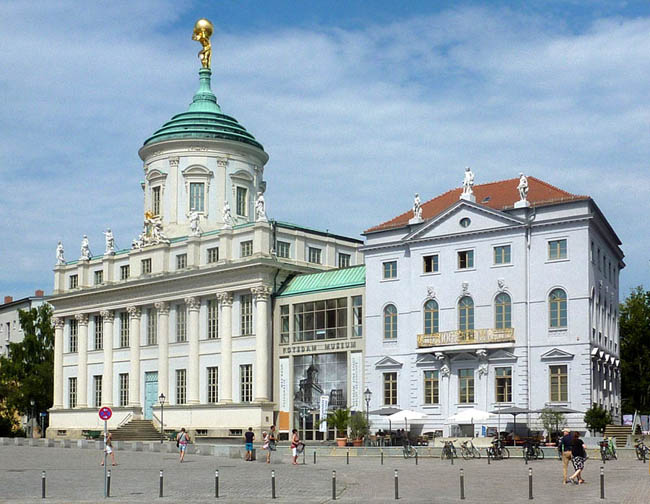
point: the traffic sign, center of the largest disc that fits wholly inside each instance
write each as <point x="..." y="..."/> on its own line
<point x="105" y="413"/>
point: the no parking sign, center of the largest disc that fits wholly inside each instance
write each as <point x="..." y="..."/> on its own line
<point x="105" y="413"/>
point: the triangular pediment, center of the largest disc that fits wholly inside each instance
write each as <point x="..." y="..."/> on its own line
<point x="155" y="174"/>
<point x="425" y="359"/>
<point x="502" y="355"/>
<point x="557" y="354"/>
<point x="464" y="356"/>
<point x="388" y="363"/>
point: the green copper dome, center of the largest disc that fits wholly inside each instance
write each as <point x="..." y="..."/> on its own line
<point x="203" y="119"/>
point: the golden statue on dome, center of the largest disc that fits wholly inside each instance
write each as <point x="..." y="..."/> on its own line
<point x="202" y="32"/>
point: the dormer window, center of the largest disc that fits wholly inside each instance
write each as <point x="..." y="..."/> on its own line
<point x="197" y="188"/>
<point x="197" y="197"/>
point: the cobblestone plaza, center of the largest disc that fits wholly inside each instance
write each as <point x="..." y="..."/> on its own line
<point x="74" y="475"/>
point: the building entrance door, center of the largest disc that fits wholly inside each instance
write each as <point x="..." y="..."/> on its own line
<point x="150" y="393"/>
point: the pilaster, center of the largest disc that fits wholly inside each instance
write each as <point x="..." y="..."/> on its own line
<point x="162" y="311"/>
<point x="134" y="344"/>
<point x="226" y="299"/>
<point x="59" y="324"/>
<point x="193" y="305"/>
<point x="261" y="373"/>
<point x="82" y="363"/>
<point x="108" y="318"/>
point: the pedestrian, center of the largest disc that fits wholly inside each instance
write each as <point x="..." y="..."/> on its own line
<point x="295" y="441"/>
<point x="249" y="436"/>
<point x="579" y="455"/>
<point x="108" y="448"/>
<point x="269" y="443"/>
<point x="182" y="441"/>
<point x="565" y="452"/>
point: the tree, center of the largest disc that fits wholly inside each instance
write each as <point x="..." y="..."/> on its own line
<point x="597" y="418"/>
<point x="634" y="326"/>
<point x="552" y="420"/>
<point x="26" y="374"/>
<point x="340" y="420"/>
<point x="358" y="425"/>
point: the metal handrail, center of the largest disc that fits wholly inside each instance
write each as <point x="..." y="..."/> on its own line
<point x="125" y="420"/>
<point x="153" y="415"/>
<point x="468" y="337"/>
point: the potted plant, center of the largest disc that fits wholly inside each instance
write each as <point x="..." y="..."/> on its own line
<point x="340" y="420"/>
<point x="359" y="428"/>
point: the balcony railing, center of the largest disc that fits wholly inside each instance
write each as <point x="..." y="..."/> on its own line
<point x="466" y="337"/>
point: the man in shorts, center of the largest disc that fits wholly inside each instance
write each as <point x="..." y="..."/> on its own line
<point x="249" y="437"/>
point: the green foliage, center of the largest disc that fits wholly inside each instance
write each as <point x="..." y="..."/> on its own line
<point x="340" y="420"/>
<point x="27" y="373"/>
<point x="597" y="418"/>
<point x="552" y="421"/>
<point x="634" y="326"/>
<point x="358" y="425"/>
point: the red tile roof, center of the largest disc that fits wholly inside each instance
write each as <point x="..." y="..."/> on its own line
<point x="499" y="195"/>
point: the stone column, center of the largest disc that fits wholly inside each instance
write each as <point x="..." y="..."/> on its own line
<point x="162" y="309"/>
<point x="82" y="361"/>
<point x="107" y="378"/>
<point x="261" y="374"/>
<point x="134" y="344"/>
<point x="193" y="305"/>
<point x="59" y="324"/>
<point x="225" y="298"/>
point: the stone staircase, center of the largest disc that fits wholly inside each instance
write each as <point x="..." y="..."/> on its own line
<point x="136" y="430"/>
<point x="620" y="433"/>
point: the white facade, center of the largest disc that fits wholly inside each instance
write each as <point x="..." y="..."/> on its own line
<point x="10" y="330"/>
<point x="549" y="251"/>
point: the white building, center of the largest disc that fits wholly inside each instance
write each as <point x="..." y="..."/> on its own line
<point x="489" y="301"/>
<point x="186" y="312"/>
<point x="10" y="330"/>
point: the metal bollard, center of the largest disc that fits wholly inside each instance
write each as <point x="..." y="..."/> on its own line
<point x="530" y="483"/>
<point x="216" y="483"/>
<point x="304" y="457"/>
<point x="43" y="484"/>
<point x="396" y="485"/>
<point x="272" y="484"/>
<point x="314" y="456"/>
<point x="161" y="484"/>
<point x="462" y="484"/>
<point x="382" y="457"/>
<point x="108" y="484"/>
<point x="488" y="457"/>
<point x="602" y="482"/>
<point x="416" y="458"/>
<point x="347" y="457"/>
<point x="451" y="457"/>
<point x="333" y="485"/>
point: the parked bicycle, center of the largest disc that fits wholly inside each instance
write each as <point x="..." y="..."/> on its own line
<point x="448" y="450"/>
<point x="408" y="450"/>
<point x="642" y="451"/>
<point x="497" y="451"/>
<point x="607" y="449"/>
<point x="468" y="450"/>
<point x="532" y="450"/>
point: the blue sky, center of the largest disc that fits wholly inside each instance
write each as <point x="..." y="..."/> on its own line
<point x="359" y="105"/>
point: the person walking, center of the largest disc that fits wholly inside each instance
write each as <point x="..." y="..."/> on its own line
<point x="108" y="448"/>
<point x="249" y="437"/>
<point x="182" y="441"/>
<point x="269" y="443"/>
<point x="565" y="453"/>
<point x="578" y="457"/>
<point x="295" y="441"/>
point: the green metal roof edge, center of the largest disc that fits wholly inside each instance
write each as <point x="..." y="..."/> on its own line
<point x="328" y="289"/>
<point x="354" y="276"/>
<point x="289" y="225"/>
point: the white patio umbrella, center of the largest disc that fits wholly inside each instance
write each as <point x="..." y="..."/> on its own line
<point x="406" y="416"/>
<point x="469" y="416"/>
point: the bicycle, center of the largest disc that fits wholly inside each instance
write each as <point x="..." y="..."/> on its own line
<point x="408" y="450"/>
<point x="532" y="451"/>
<point x="468" y="450"/>
<point x="642" y="451"/>
<point x="607" y="450"/>
<point x="448" y="450"/>
<point x="497" y="451"/>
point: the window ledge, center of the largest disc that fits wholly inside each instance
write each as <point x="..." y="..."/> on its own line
<point x="430" y="273"/>
<point x="564" y="259"/>
<point x="505" y="265"/>
<point x="461" y="270"/>
<point x="388" y="280"/>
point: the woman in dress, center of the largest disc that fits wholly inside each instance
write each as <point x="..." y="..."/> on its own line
<point x="578" y="456"/>
<point x="295" y="441"/>
<point x="108" y="448"/>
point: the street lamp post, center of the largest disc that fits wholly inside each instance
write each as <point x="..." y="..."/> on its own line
<point x="31" y="420"/>
<point x="367" y="396"/>
<point x="161" y="398"/>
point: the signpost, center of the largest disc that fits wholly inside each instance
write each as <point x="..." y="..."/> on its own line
<point x="105" y="414"/>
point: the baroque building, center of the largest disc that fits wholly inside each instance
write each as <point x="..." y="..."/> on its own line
<point x="186" y="311"/>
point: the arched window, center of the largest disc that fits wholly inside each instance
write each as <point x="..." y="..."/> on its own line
<point x="502" y="311"/>
<point x="466" y="314"/>
<point x="390" y="322"/>
<point x="557" y="308"/>
<point x="431" y="325"/>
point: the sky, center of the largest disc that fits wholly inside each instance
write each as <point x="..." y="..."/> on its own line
<point x="359" y="105"/>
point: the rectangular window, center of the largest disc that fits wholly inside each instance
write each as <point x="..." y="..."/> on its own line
<point x="99" y="277"/>
<point x="430" y="263"/>
<point x="155" y="200"/>
<point x="246" y="382"/>
<point x="357" y="316"/>
<point x="124" y="389"/>
<point x="557" y="250"/>
<point x="181" y="324"/>
<point x="390" y="389"/>
<point x="181" y="261"/>
<point x="145" y="266"/>
<point x="465" y="386"/>
<point x="284" y="324"/>
<point x="125" y="271"/>
<point x="344" y="260"/>
<point x="503" y="385"/>
<point x="99" y="332"/>
<point x="502" y="254"/>
<point x="465" y="259"/>
<point x="241" y="202"/>
<point x="124" y="330"/>
<point x="97" y="389"/>
<point x="389" y="269"/>
<point x="74" y="331"/>
<point x="246" y="319"/>
<point x="213" y="385"/>
<point x="314" y="255"/>
<point x="284" y="249"/>
<point x="559" y="383"/>
<point x="591" y="253"/>
<point x="320" y="320"/>
<point x="246" y="248"/>
<point x="213" y="255"/>
<point x="72" y="392"/>
<point x="152" y="327"/>
<point x="196" y="197"/>
<point x="180" y="386"/>
<point x="74" y="281"/>
<point x="431" y="387"/>
<point x="213" y="319"/>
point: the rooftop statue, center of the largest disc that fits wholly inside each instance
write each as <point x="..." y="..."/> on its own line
<point x="468" y="182"/>
<point x="417" y="207"/>
<point x="227" y="216"/>
<point x="59" y="254"/>
<point x="194" y="223"/>
<point x="202" y="33"/>
<point x="110" y="242"/>
<point x="85" y="249"/>
<point x="523" y="187"/>
<point x="260" y="208"/>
